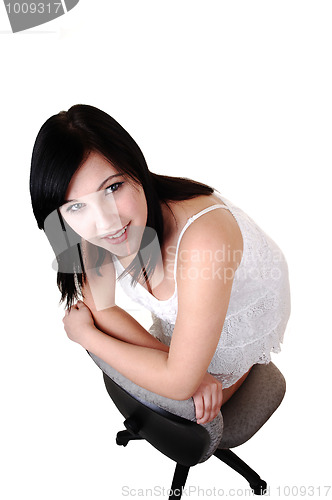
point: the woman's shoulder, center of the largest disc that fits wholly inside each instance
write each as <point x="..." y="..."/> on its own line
<point x="211" y="228"/>
<point x="188" y="208"/>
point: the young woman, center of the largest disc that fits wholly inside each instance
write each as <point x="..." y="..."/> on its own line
<point x="216" y="284"/>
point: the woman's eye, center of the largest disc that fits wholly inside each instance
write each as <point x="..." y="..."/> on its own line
<point x="75" y="207"/>
<point x="114" y="187"/>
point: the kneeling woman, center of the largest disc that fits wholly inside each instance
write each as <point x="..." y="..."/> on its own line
<point x="216" y="284"/>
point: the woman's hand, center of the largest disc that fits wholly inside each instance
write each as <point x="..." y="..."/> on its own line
<point x="77" y="322"/>
<point x="208" y="399"/>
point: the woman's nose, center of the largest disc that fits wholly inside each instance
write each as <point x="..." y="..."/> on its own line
<point x="106" y="219"/>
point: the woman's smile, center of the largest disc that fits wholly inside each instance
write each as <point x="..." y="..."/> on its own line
<point x="118" y="236"/>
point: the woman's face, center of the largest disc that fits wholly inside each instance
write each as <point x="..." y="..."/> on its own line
<point x="105" y="208"/>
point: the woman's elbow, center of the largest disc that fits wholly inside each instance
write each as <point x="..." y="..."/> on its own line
<point x="179" y="385"/>
<point x="180" y="391"/>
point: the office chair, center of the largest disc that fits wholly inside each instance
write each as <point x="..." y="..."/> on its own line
<point x="170" y="425"/>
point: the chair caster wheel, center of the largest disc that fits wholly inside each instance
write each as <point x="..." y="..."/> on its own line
<point x="259" y="488"/>
<point x="122" y="439"/>
<point x="121" y="442"/>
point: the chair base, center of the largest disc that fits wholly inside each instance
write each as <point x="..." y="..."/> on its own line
<point x="257" y="484"/>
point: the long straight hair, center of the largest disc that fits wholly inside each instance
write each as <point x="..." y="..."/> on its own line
<point x="61" y="147"/>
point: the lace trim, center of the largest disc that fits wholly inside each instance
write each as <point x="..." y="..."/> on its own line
<point x="240" y="359"/>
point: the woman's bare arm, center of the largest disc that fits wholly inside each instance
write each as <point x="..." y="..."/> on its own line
<point x="119" y="324"/>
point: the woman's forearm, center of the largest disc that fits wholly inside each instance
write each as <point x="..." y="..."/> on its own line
<point x="143" y="365"/>
<point x="113" y="320"/>
<point x="120" y="325"/>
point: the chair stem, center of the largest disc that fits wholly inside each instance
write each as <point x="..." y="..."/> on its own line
<point x="179" y="481"/>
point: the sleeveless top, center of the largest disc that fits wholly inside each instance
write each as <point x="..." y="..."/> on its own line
<point x="258" y="309"/>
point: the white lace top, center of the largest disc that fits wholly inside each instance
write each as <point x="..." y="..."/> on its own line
<point x="259" y="305"/>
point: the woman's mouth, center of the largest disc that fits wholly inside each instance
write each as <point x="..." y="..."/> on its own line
<point x="117" y="237"/>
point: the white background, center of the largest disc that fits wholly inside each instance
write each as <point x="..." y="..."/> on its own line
<point x="235" y="94"/>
